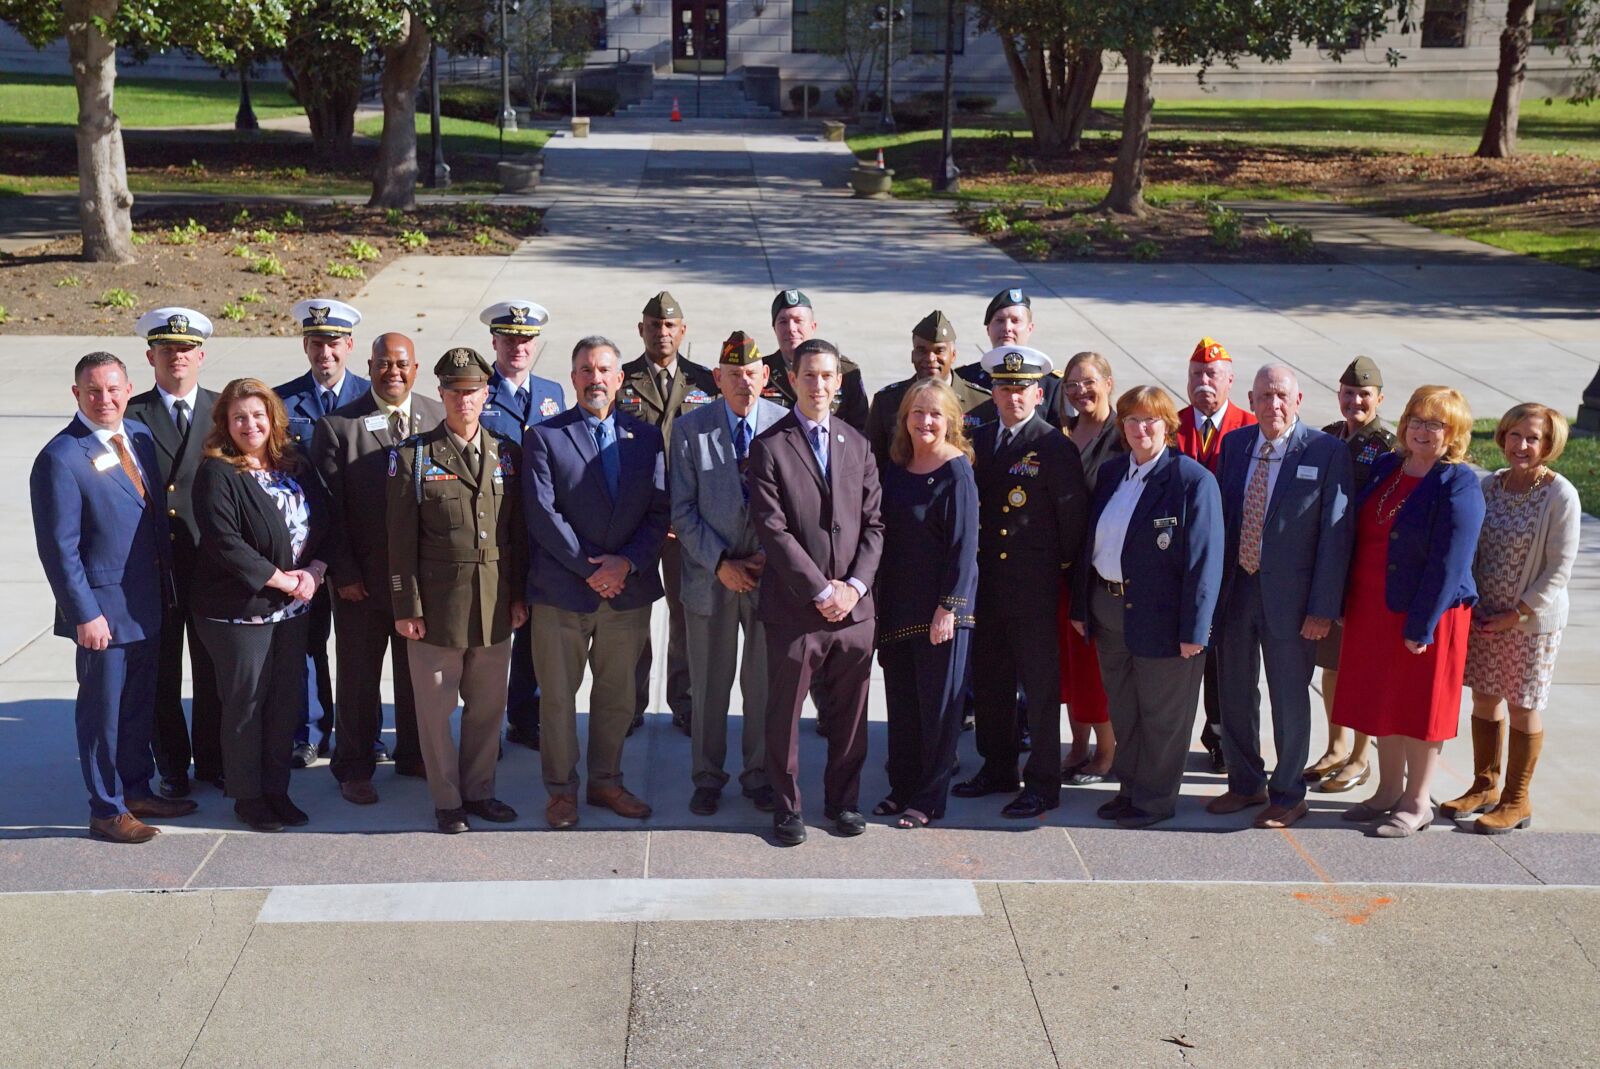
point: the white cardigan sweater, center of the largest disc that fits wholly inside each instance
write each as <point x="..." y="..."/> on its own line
<point x="1549" y="565"/>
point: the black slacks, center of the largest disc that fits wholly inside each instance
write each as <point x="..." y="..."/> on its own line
<point x="1012" y="652"/>
<point x="199" y="738"/>
<point x="317" y="637"/>
<point x="261" y="683"/>
<point x="364" y="636"/>
<point x="925" y="689"/>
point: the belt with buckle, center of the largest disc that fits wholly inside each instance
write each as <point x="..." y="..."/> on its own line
<point x="1116" y="588"/>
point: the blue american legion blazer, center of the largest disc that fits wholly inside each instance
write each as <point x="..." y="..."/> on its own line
<point x="571" y="516"/>
<point x="1309" y="528"/>
<point x="1432" y="544"/>
<point x="105" y="550"/>
<point x="502" y="418"/>
<point x="299" y="397"/>
<point x="1172" y="556"/>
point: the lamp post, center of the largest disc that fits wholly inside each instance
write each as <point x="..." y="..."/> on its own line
<point x="439" y="173"/>
<point x="245" y="119"/>
<point x="885" y="18"/>
<point x="948" y="180"/>
<point x="1589" y="410"/>
<point x="508" y="114"/>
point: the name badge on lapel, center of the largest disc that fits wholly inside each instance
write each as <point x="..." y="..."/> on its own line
<point x="105" y="462"/>
<point x="375" y="422"/>
<point x="1165" y="521"/>
<point x="1307" y="471"/>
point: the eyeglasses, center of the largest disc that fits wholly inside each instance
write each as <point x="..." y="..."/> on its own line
<point x="1141" y="422"/>
<point x="1432" y="426"/>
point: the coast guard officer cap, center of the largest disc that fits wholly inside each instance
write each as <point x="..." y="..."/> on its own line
<point x="324" y="317"/>
<point x="522" y="319"/>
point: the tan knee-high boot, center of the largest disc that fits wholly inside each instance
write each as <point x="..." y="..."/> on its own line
<point x="1516" y="808"/>
<point x="1487" y="753"/>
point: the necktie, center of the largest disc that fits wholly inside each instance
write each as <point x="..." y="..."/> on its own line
<point x="522" y="402"/>
<point x="180" y="417"/>
<point x="1255" y="513"/>
<point x="129" y="468"/>
<point x="610" y="462"/>
<point x="1207" y="429"/>
<point x="325" y="398"/>
<point x="1006" y="434"/>
<point x="819" y="446"/>
<point x="741" y="452"/>
<point x="397" y="427"/>
<point x="664" y="384"/>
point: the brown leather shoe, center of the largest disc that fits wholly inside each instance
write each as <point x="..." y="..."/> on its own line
<point x="359" y="792"/>
<point x="164" y="808"/>
<point x="122" y="828"/>
<point x="1280" y="816"/>
<point x="619" y="801"/>
<point x="1228" y="802"/>
<point x="561" y="811"/>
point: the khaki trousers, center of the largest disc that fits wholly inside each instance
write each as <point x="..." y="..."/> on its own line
<point x="477" y="674"/>
<point x="713" y="658"/>
<point x="610" y="641"/>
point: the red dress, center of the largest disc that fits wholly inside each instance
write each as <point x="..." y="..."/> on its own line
<point x="1081" y="688"/>
<point x="1395" y="691"/>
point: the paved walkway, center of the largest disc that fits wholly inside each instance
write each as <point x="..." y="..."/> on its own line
<point x="329" y="946"/>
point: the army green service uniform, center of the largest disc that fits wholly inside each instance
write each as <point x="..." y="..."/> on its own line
<point x="977" y="406"/>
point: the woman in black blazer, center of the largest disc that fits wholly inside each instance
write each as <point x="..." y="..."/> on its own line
<point x="262" y="516"/>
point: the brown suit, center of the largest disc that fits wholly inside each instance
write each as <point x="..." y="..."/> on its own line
<point x="815" y="530"/>
<point x="353" y="460"/>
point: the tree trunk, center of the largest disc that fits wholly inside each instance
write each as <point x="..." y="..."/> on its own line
<point x="1083" y="77"/>
<point x="1056" y="87"/>
<point x="1127" y="175"/>
<point x="1500" y="132"/>
<point x="326" y="80"/>
<point x="394" y="179"/>
<point x="104" y="202"/>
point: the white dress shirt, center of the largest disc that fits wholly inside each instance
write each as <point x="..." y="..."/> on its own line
<point x="104" y="435"/>
<point x="188" y="399"/>
<point x="1112" y="530"/>
<point x="806" y="424"/>
<point x="1215" y="419"/>
<point x="1276" y="447"/>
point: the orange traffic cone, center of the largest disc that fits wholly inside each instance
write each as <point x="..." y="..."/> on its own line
<point x="677" y="116"/>
<point x="881" y="165"/>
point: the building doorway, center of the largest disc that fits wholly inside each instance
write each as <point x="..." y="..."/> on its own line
<point x="699" y="36"/>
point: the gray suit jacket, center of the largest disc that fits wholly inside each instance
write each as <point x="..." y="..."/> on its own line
<point x="709" y="513"/>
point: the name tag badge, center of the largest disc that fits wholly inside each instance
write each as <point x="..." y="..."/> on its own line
<point x="1307" y="471"/>
<point x="1165" y="521"/>
<point x="375" y="422"/>
<point x="105" y="462"/>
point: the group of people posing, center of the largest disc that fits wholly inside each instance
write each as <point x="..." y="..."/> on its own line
<point x="1007" y="536"/>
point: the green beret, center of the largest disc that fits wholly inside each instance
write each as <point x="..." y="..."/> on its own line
<point x="934" y="327"/>
<point x="1363" y="371"/>
<point x="461" y="367"/>
<point x="789" y="299"/>
<point x="1005" y="299"/>
<point x="739" y="349"/>
<point x="663" y="306"/>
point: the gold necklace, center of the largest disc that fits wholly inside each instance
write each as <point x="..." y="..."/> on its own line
<point x="1384" y="500"/>
<point x="1538" y="480"/>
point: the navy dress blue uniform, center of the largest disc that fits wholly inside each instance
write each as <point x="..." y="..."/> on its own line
<point x="106" y="552"/>
<point x="508" y="414"/>
<point x="305" y="402"/>
<point x="1167" y="561"/>
<point x="1300" y="567"/>
<point x="1032" y="498"/>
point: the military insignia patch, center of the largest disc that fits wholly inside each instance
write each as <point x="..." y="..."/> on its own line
<point x="1028" y="466"/>
<point x="519" y="315"/>
<point x="1164" y="539"/>
<point x="1016" y="498"/>
<point x="1013" y="362"/>
<point x="971" y="420"/>
<point x="1014" y="296"/>
<point x="178" y="324"/>
<point x="434" y="473"/>
<point x="548" y="407"/>
<point x="506" y="467"/>
<point x="394" y="463"/>
<point x="319" y="316"/>
<point x="791" y="297"/>
<point x="696" y="397"/>
<point x="1369" y="452"/>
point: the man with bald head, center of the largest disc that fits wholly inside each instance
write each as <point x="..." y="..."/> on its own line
<point x="1286" y="492"/>
<point x="353" y="449"/>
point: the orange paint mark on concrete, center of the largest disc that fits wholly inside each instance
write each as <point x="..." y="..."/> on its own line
<point x="1351" y="908"/>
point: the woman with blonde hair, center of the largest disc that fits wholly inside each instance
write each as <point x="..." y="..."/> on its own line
<point x="1525" y="557"/>
<point x="1407" y="610"/>
<point x="927" y="583"/>
<point x="262" y="516"/>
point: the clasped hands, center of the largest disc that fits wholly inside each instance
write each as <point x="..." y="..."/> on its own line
<point x="611" y="576"/>
<point x="840" y="603"/>
<point x="300" y="583"/>
<point x="742" y="574"/>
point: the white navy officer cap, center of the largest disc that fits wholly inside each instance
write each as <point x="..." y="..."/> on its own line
<point x="325" y="316"/>
<point x="1016" y="363"/>
<point x="173" y="326"/>
<point x="524" y="319"/>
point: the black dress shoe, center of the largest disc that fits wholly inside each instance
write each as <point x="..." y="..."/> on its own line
<point x="1138" y="818"/>
<point x="213" y="778"/>
<point x="984" y="783"/>
<point x="258" y="814"/>
<point x="325" y="744"/>
<point x="1027" y="804"/>
<point x="847" y="821"/>
<point x="1219" y="763"/>
<point x="638" y="722"/>
<point x="1116" y="809"/>
<point x="681" y="722"/>
<point x="491" y="809"/>
<point x="303" y="755"/>
<point x="789" y="829"/>
<point x="762" y="798"/>
<point x="704" y="801"/>
<point x="413" y="768"/>
<point x="291" y="815"/>
<point x="380" y="752"/>
<point x="451" y="821"/>
<point x="530" y="739"/>
<point x="174" y="786"/>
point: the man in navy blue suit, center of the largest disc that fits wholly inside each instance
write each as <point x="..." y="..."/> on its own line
<point x="518" y="399"/>
<point x="327" y="334"/>
<point x="100" y="521"/>
<point x="597" y="509"/>
<point x="1286" y="494"/>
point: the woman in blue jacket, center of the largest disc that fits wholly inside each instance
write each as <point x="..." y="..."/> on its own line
<point x="1146" y="586"/>
<point x="1407" y="609"/>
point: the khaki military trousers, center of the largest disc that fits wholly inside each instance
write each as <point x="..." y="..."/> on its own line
<point x="478" y="675"/>
<point x="610" y="641"/>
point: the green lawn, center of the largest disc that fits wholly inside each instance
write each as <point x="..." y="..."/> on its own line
<point x="1568" y="246"/>
<point x="1580" y="462"/>
<point x="463" y="135"/>
<point x="49" y="100"/>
